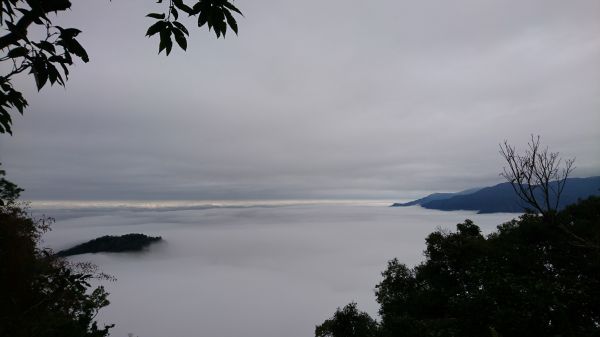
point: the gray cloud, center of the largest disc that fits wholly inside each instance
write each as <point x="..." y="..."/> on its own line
<point x="313" y="99"/>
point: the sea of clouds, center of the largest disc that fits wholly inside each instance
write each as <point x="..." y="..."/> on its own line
<point x="253" y="270"/>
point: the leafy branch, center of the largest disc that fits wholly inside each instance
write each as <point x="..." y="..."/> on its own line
<point x="216" y="14"/>
<point x="48" y="57"/>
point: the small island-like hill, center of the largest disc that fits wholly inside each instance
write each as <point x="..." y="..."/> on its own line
<point x="125" y="243"/>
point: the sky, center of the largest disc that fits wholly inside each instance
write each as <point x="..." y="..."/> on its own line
<point x="313" y="99"/>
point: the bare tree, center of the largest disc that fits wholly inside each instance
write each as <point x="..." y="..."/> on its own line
<point x="537" y="176"/>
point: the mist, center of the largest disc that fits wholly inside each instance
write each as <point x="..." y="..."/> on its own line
<point x="265" y="271"/>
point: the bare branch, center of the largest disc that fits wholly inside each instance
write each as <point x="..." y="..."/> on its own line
<point x="538" y="177"/>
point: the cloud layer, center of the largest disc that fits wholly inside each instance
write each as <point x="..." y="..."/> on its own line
<point x="314" y="99"/>
<point x="257" y="272"/>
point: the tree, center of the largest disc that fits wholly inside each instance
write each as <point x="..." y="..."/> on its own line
<point x="347" y="322"/>
<point x="9" y="191"/>
<point x="537" y="176"/>
<point x="48" y="56"/>
<point x="41" y="295"/>
<point x="529" y="278"/>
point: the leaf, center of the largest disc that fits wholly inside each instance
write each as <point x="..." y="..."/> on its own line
<point x="199" y="8"/>
<point x="180" y="38"/>
<point x="23" y="11"/>
<point x="230" y="6"/>
<point x="62" y="61"/>
<point x="181" y="27"/>
<point x="17" y="52"/>
<point x="39" y="74"/>
<point x="45" y="45"/>
<point x="11" y="26"/>
<point x="169" y="46"/>
<point x="179" y="4"/>
<point x="231" y="21"/>
<point x="77" y="49"/>
<point x="155" y="28"/>
<point x="156" y="16"/>
<point x="220" y="25"/>
<point x="175" y="13"/>
<point x="68" y="32"/>
<point x="165" y="41"/>
<point x="54" y="75"/>
<point x="5" y="121"/>
<point x="202" y="19"/>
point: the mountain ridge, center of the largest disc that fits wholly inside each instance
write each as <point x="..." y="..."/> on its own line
<point x="501" y="198"/>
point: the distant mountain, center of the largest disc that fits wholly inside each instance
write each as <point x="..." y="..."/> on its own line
<point x="435" y="196"/>
<point x="502" y="198"/>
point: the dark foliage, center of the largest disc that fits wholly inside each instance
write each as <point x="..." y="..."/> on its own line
<point x="532" y="277"/>
<point x="48" y="56"/>
<point x="347" y="322"/>
<point x="9" y="191"/>
<point x="108" y="243"/>
<point x="41" y="295"/>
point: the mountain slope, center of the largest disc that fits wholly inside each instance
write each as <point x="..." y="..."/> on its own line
<point x="502" y="198"/>
<point x="431" y="197"/>
<point x="435" y="196"/>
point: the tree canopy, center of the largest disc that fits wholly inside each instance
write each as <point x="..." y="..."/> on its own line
<point x="347" y="322"/>
<point x="531" y="277"/>
<point x="40" y="294"/>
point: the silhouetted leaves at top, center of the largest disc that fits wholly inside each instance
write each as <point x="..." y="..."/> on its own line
<point x="216" y="14"/>
<point x="49" y="58"/>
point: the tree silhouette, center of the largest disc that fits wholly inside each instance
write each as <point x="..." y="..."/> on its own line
<point x="528" y="278"/>
<point x="47" y="57"/>
<point x="537" y="176"/>
<point x="347" y="322"/>
<point x="41" y="295"/>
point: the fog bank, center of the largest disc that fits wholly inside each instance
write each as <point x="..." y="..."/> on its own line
<point x="250" y="271"/>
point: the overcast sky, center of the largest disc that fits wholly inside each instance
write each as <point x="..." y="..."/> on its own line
<point x="313" y="99"/>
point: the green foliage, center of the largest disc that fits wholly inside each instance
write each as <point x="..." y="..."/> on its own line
<point x="48" y="57"/>
<point x="534" y="276"/>
<point x="347" y="322"/>
<point x="42" y="295"/>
